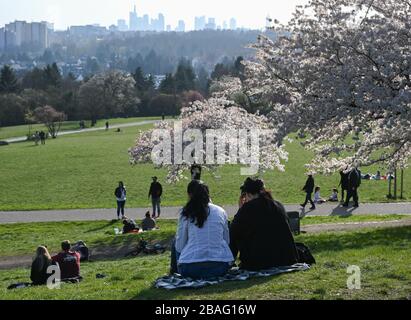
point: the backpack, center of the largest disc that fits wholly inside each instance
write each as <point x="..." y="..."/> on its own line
<point x="82" y="249"/>
<point x="304" y="254"/>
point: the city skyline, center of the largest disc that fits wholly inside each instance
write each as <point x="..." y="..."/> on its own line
<point x="107" y="13"/>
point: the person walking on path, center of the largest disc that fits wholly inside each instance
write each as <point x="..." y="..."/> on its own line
<point x="155" y="192"/>
<point x="343" y="183"/>
<point x="354" y="182"/>
<point x="120" y="194"/>
<point x="309" y="189"/>
<point x="107" y="125"/>
<point x="42" y="135"/>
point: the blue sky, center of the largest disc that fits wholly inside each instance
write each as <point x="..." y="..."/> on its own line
<point x="106" y="12"/>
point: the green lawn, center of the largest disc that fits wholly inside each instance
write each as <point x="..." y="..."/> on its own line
<point x="82" y="170"/>
<point x="23" y="238"/>
<point x="22" y="130"/>
<point x="382" y="255"/>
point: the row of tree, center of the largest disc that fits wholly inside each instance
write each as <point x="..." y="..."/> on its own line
<point x="104" y="95"/>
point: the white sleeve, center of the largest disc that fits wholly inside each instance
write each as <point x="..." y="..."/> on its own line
<point x="182" y="234"/>
<point x="226" y="234"/>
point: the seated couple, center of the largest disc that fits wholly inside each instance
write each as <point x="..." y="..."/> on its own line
<point x="130" y="226"/>
<point x="206" y="247"/>
<point x="67" y="261"/>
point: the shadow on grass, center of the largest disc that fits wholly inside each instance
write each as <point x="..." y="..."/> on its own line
<point x="110" y="223"/>
<point x="338" y="241"/>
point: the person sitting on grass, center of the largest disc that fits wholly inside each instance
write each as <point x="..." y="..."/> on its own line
<point x="317" y="196"/>
<point x="69" y="262"/>
<point x="201" y="249"/>
<point x="334" y="196"/>
<point x="260" y="232"/>
<point x="129" y="226"/>
<point x="148" y="222"/>
<point x="39" y="266"/>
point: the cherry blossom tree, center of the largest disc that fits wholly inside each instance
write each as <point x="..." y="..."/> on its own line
<point x="345" y="65"/>
<point x="230" y="122"/>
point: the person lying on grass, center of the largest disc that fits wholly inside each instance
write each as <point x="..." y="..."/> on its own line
<point x="201" y="249"/>
<point x="260" y="232"/>
<point x="129" y="226"/>
<point x="41" y="262"/>
<point x="69" y="262"/>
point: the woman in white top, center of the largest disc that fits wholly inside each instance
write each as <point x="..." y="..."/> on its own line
<point x="201" y="247"/>
<point x="317" y="196"/>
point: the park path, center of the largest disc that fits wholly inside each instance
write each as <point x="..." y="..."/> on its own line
<point x="63" y="133"/>
<point x="172" y="212"/>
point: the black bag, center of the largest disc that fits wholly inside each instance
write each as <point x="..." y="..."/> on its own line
<point x="304" y="254"/>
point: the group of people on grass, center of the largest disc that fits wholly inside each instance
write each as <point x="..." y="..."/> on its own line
<point x="155" y="192"/>
<point x="40" y="136"/>
<point x="349" y="182"/>
<point x="147" y="224"/>
<point x="67" y="261"/>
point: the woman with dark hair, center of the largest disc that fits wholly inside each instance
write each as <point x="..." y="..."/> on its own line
<point x="120" y="194"/>
<point x="260" y="231"/>
<point x="201" y="247"/>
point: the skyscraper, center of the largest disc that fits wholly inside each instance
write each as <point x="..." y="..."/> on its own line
<point x="199" y="23"/>
<point x="161" y="22"/>
<point x="181" y="26"/>
<point x="2" y="39"/>
<point x="133" y="20"/>
<point x="211" y="25"/>
<point x="233" y="24"/>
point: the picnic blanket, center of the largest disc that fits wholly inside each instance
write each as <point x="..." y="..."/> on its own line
<point x="176" y="281"/>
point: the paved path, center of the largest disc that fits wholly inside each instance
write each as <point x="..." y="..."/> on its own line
<point x="63" y="133"/>
<point x="172" y="212"/>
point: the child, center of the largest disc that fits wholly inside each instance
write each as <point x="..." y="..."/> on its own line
<point x="334" y="196"/>
<point x="317" y="196"/>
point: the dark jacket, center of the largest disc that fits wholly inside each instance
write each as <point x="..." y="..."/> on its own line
<point x="344" y="180"/>
<point x="148" y="224"/>
<point x="354" y="179"/>
<point x="118" y="191"/>
<point x="39" y="277"/>
<point x="261" y="234"/>
<point x="129" y="226"/>
<point x="309" y="185"/>
<point x="156" y="190"/>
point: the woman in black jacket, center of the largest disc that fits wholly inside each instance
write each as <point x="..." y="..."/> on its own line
<point x="260" y="231"/>
<point x="41" y="262"/>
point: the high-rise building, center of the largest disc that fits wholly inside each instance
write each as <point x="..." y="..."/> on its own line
<point x="233" y="24"/>
<point x="181" y="27"/>
<point x="211" y="25"/>
<point x="168" y="28"/>
<point x="161" y="22"/>
<point x="122" y="25"/>
<point x="133" y="20"/>
<point x="200" y="23"/>
<point x="2" y="39"/>
<point x="20" y="33"/>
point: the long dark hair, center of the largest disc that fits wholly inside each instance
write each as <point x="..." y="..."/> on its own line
<point x="256" y="187"/>
<point x="196" y="208"/>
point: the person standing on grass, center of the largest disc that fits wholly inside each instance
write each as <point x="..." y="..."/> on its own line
<point x="343" y="183"/>
<point x="155" y="192"/>
<point x="37" y="138"/>
<point x="354" y="182"/>
<point x="107" y="125"/>
<point x="309" y="189"/>
<point x="120" y="194"/>
<point x="42" y="135"/>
